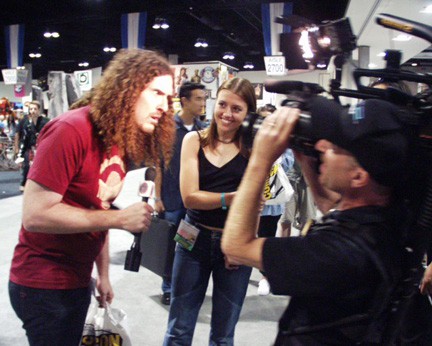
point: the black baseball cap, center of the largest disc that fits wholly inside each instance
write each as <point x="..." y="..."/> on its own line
<point x="371" y="131"/>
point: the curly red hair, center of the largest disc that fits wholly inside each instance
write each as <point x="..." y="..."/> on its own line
<point x="113" y="101"/>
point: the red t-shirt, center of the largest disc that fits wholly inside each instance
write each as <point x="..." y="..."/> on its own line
<point x="68" y="161"/>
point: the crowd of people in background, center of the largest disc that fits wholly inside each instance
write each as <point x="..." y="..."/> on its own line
<point x="210" y="185"/>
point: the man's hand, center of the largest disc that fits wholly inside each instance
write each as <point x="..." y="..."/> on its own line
<point x="137" y="217"/>
<point x="230" y="264"/>
<point x="106" y="293"/>
<point x="426" y="284"/>
<point x="273" y="137"/>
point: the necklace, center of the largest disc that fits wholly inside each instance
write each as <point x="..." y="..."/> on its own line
<point x="226" y="142"/>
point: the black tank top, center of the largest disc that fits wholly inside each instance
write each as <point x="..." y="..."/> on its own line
<point x="214" y="179"/>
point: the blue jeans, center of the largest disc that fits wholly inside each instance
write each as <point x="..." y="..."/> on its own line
<point x="51" y="317"/>
<point x="174" y="216"/>
<point x="191" y="273"/>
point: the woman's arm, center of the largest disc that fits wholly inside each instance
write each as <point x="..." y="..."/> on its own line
<point x="192" y="196"/>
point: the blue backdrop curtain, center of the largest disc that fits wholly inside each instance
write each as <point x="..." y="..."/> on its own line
<point x="271" y="30"/>
<point x="133" y="29"/>
<point x="14" y="38"/>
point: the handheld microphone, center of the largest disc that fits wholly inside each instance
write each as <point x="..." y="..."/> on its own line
<point x="146" y="190"/>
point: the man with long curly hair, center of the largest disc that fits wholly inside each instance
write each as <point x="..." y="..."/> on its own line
<point x="82" y="158"/>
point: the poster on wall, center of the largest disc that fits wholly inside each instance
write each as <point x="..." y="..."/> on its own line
<point x="196" y="78"/>
<point x="84" y="79"/>
<point x="63" y="90"/>
<point x="19" y="90"/>
<point x="208" y="74"/>
<point x="180" y="76"/>
<point x="258" y="87"/>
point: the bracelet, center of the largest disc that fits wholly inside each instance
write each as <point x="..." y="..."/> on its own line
<point x="223" y="201"/>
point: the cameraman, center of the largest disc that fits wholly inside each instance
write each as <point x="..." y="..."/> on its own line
<point x="340" y="274"/>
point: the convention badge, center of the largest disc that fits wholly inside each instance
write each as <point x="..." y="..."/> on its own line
<point x="186" y="235"/>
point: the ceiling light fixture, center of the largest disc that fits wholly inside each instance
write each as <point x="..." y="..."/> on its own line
<point x="160" y="23"/>
<point x="35" y="55"/>
<point x="248" y="65"/>
<point x="321" y="65"/>
<point x="228" y="56"/>
<point x="201" y="42"/>
<point x="53" y="34"/>
<point x="83" y="64"/>
<point x="110" y="49"/>
<point x="157" y="24"/>
<point x="164" y="24"/>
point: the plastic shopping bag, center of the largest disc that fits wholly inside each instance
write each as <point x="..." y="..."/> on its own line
<point x="105" y="326"/>
<point x="277" y="189"/>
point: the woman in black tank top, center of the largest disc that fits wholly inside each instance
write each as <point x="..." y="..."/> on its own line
<point x="212" y="164"/>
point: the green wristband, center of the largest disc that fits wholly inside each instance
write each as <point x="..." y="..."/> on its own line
<point x="223" y="201"/>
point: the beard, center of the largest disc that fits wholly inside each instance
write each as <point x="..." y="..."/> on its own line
<point x="150" y="149"/>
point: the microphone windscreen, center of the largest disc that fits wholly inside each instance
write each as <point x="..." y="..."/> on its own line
<point x="283" y="86"/>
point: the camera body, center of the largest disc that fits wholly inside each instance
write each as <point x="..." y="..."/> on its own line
<point x="302" y="139"/>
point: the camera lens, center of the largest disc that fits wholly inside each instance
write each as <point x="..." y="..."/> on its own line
<point x="301" y="139"/>
<point x="250" y="127"/>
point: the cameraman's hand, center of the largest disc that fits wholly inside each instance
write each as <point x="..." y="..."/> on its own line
<point x="273" y="137"/>
<point x="136" y="218"/>
<point x="426" y="284"/>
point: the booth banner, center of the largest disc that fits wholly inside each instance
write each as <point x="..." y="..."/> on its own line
<point x="13" y="76"/>
<point x="14" y="39"/>
<point x="270" y="28"/>
<point x="19" y="90"/>
<point x="133" y="29"/>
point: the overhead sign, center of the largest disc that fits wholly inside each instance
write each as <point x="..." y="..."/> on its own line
<point x="275" y="65"/>
<point x="84" y="79"/>
<point x="14" y="76"/>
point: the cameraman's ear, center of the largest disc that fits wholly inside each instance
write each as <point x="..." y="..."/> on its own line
<point x="360" y="178"/>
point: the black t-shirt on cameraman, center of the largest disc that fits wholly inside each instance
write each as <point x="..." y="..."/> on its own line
<point x="330" y="277"/>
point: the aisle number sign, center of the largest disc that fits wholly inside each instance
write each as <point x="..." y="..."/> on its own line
<point x="275" y="65"/>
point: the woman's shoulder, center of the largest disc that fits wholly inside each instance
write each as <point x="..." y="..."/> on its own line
<point x="191" y="136"/>
<point x="192" y="140"/>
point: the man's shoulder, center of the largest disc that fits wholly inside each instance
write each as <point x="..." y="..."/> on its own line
<point x="76" y="121"/>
